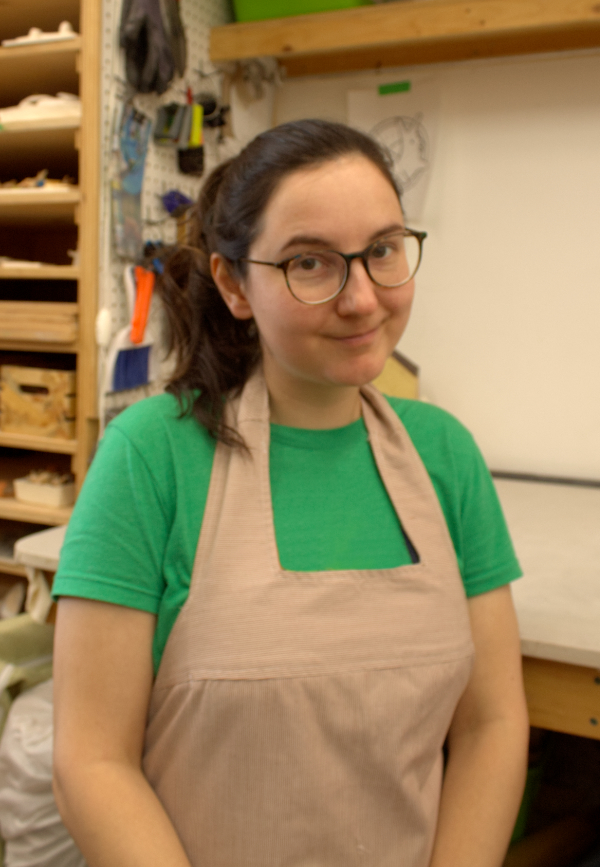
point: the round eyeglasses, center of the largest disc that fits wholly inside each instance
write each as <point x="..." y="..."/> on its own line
<point x="318" y="276"/>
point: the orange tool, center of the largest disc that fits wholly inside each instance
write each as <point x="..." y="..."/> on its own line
<point x="144" y="281"/>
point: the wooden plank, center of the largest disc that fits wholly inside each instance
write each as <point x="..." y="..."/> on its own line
<point x="31" y="442"/>
<point x="440" y="51"/>
<point x="415" y="31"/>
<point x="45" y="272"/>
<point x="25" y="207"/>
<point x="40" y="124"/>
<point x="38" y="321"/>
<point x="13" y="510"/>
<point x="36" y="197"/>
<point x="24" y="345"/>
<point x="89" y="180"/>
<point x="34" y="309"/>
<point x="563" y="697"/>
<point x="11" y="567"/>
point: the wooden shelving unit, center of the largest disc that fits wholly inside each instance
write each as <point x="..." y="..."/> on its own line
<point x="13" y="510"/>
<point x="410" y="32"/>
<point x="47" y="313"/>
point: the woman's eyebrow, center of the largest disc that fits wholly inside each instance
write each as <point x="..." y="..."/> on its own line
<point x="296" y="240"/>
<point x="314" y="240"/>
<point x="387" y="230"/>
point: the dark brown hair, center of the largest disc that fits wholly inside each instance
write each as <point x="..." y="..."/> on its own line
<point x="214" y="352"/>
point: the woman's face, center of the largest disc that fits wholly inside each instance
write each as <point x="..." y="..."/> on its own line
<point x="345" y="205"/>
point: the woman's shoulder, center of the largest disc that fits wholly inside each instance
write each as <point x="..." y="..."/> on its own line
<point x="150" y="413"/>
<point x="430" y="424"/>
<point x="160" y="422"/>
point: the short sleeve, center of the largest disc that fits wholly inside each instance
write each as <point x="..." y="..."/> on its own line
<point x="486" y="549"/>
<point x="465" y="489"/>
<point x="116" y="537"/>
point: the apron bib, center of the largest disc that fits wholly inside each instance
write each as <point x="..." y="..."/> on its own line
<point x="298" y="718"/>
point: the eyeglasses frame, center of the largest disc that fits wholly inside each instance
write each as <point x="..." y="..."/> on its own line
<point x="284" y="264"/>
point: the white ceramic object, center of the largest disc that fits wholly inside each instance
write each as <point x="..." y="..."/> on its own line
<point x="44" y="494"/>
<point x="41" y="106"/>
<point x="35" y="36"/>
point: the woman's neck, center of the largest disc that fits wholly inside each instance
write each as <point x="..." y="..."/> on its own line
<point x="311" y="405"/>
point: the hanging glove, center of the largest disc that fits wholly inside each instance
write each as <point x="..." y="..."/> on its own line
<point x="176" y="35"/>
<point x="149" y="61"/>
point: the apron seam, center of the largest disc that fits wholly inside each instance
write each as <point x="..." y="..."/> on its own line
<point x="221" y="675"/>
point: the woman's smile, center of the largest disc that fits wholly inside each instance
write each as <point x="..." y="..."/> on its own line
<point x="359" y="338"/>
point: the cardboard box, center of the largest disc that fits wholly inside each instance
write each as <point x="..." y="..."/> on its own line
<point x="37" y="401"/>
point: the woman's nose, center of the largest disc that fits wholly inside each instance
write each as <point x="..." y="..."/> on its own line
<point x="359" y="294"/>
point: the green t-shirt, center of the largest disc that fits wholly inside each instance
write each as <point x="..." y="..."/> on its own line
<point x="134" y="530"/>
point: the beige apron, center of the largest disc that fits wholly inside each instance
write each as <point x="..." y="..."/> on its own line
<point x="298" y="718"/>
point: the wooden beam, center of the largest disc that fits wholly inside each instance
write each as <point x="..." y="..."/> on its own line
<point x="89" y="230"/>
<point x="45" y="272"/>
<point x="35" y="443"/>
<point x="414" y="31"/>
<point x="13" y="510"/>
<point x="562" y="697"/>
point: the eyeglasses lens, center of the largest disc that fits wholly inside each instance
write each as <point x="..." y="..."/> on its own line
<point x="394" y="260"/>
<point x="314" y="277"/>
<point x="317" y="276"/>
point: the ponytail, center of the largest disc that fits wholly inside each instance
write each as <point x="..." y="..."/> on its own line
<point x="214" y="353"/>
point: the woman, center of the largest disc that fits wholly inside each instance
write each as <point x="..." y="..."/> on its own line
<point x="263" y="635"/>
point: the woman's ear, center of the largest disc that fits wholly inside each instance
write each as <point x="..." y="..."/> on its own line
<point x="230" y="287"/>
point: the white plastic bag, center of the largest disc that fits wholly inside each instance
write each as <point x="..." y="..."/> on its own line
<point x="29" y="821"/>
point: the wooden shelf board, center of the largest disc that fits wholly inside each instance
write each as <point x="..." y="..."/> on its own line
<point x="47" y="346"/>
<point x="46" y="272"/>
<point x="44" y="68"/>
<point x="11" y="567"/>
<point x="38" y="444"/>
<point x="13" y="510"/>
<point x="40" y="124"/>
<point x="410" y="32"/>
<point x="16" y="197"/>
<point x="37" y="207"/>
<point x="45" y="50"/>
<point x="50" y="309"/>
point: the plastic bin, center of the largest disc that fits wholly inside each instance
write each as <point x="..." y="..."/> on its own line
<point x="257" y="10"/>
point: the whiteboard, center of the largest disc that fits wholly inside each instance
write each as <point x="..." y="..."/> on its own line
<point x="506" y="320"/>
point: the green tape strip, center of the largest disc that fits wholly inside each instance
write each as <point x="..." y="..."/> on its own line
<point x="396" y="87"/>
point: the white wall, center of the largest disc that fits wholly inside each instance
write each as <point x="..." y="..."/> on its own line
<point x="506" y="323"/>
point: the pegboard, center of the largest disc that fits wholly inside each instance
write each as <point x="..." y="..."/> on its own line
<point x="160" y="174"/>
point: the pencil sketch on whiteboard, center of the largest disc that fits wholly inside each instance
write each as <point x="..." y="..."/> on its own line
<point x="405" y="122"/>
<point x="407" y="141"/>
